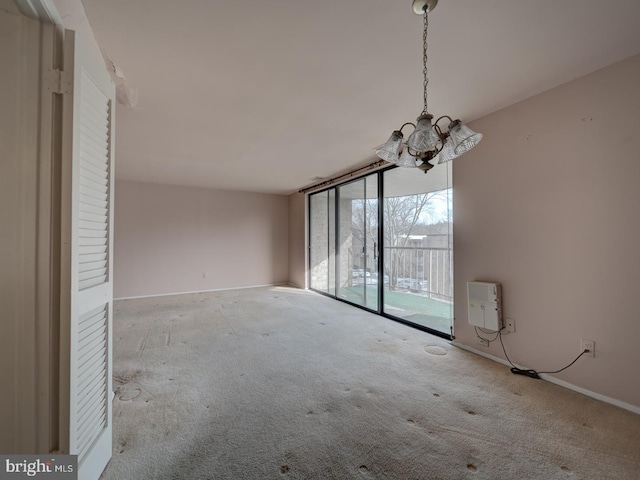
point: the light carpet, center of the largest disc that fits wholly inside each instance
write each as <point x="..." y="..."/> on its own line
<point x="281" y="383"/>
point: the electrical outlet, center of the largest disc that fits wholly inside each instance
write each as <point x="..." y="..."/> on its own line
<point x="482" y="341"/>
<point x="509" y="325"/>
<point x="588" y="345"/>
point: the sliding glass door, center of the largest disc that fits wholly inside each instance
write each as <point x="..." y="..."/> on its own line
<point x="322" y="242"/>
<point x="384" y="242"/>
<point x="358" y="242"/>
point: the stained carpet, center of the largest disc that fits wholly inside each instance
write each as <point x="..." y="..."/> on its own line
<point x="281" y="383"/>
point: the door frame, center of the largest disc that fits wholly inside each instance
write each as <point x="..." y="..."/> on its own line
<point x="47" y="225"/>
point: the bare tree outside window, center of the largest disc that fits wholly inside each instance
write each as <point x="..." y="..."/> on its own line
<point x="403" y="216"/>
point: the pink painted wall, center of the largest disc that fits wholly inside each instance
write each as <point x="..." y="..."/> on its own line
<point x="172" y="239"/>
<point x="548" y="205"/>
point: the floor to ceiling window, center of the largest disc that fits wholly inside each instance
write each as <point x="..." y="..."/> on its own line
<point x="322" y="242"/>
<point x="384" y="242"/>
<point x="417" y="257"/>
<point x="358" y="241"/>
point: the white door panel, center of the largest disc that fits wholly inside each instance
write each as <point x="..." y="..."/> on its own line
<point x="87" y="294"/>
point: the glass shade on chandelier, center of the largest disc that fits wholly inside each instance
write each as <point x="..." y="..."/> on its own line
<point x="447" y="153"/>
<point x="407" y="160"/>
<point x="463" y="138"/>
<point x="390" y="151"/>
<point x="428" y="140"/>
<point x="424" y="138"/>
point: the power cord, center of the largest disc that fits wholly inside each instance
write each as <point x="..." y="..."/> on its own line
<point x="486" y="333"/>
<point x="533" y="373"/>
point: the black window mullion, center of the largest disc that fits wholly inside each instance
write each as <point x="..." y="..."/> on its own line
<point x="336" y="239"/>
<point x="380" y="242"/>
<point x="364" y="235"/>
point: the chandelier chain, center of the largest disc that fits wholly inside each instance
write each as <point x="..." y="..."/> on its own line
<point x="424" y="60"/>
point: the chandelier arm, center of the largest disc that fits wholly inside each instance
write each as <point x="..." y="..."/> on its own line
<point x="410" y="151"/>
<point x="436" y="150"/>
<point x="442" y="135"/>
<point x="444" y="116"/>
<point x="408" y="123"/>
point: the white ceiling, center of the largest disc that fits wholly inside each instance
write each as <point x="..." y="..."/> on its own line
<point x="264" y="96"/>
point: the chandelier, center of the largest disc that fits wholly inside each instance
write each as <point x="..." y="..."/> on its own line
<point x="429" y="140"/>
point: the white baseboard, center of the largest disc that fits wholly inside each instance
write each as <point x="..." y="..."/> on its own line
<point x="284" y="284"/>
<point x="562" y="383"/>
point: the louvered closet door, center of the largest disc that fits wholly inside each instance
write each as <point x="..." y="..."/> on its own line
<point x="88" y="188"/>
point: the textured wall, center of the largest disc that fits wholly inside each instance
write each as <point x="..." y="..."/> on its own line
<point x="177" y="239"/>
<point x="548" y="206"/>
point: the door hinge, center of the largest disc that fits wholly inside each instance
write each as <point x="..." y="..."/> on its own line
<point x="58" y="81"/>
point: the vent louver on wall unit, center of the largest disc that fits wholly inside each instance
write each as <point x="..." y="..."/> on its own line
<point x="485" y="305"/>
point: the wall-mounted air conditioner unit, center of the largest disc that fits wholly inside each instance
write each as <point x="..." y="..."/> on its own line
<point x="485" y="305"/>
